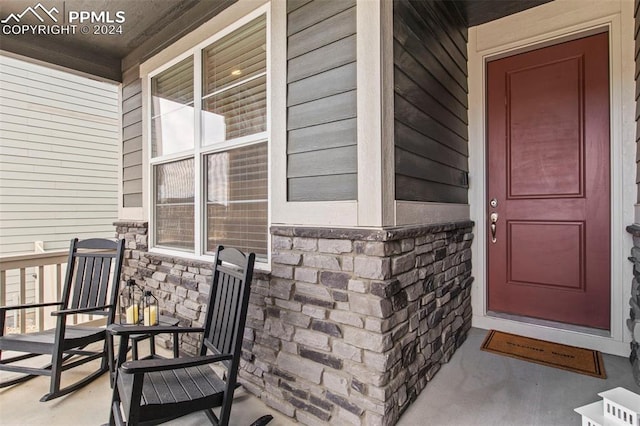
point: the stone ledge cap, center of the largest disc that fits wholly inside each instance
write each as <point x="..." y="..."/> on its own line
<point x="366" y="234"/>
<point x="131" y="223"/>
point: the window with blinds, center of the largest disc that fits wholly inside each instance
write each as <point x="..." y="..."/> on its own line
<point x="174" y="204"/>
<point x="172" y="109"/>
<point x="234" y="86"/>
<point x="234" y="105"/>
<point x="237" y="199"/>
<point x="229" y="188"/>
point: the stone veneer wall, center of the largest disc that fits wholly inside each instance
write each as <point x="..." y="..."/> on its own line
<point x="350" y="325"/>
<point x="180" y="285"/>
<point x="634" y="303"/>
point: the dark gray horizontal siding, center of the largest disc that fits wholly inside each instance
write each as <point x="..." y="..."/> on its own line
<point x="314" y="12"/>
<point x="419" y="167"/>
<point x="408" y="114"/>
<point x="410" y="140"/>
<point x="411" y="25"/>
<point x="422" y="19"/>
<point x="296" y="4"/>
<point x="457" y="103"/>
<point x="425" y="102"/>
<point x="412" y="189"/>
<point x="452" y="17"/>
<point x="445" y="24"/>
<point x="637" y="77"/>
<point x="335" y="161"/>
<point x="132" y="159"/>
<point x="325" y="32"/>
<point x="324" y="136"/>
<point x="132" y="173"/>
<point x="131" y="88"/>
<point x="323" y="188"/>
<point x="132" y="144"/>
<point x="321" y="100"/>
<point x="328" y="83"/>
<point x="325" y="58"/>
<point x="430" y="102"/>
<point x="325" y="110"/>
<point x="132" y="117"/>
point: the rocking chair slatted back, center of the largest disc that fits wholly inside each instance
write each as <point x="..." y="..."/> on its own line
<point x="89" y="277"/>
<point x="224" y="317"/>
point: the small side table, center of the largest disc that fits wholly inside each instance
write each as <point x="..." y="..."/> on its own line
<point x="162" y="320"/>
<point x="115" y="362"/>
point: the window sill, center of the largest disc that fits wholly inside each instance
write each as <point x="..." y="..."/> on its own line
<point x="189" y="259"/>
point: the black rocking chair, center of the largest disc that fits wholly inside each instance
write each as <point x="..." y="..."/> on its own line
<point x="153" y="391"/>
<point x="90" y="287"/>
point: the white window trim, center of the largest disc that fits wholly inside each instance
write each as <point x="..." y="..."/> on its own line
<point x="226" y="22"/>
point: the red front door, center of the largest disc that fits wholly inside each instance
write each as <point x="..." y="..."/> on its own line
<point x="548" y="172"/>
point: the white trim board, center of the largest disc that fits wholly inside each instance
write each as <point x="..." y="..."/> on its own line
<point x="543" y="25"/>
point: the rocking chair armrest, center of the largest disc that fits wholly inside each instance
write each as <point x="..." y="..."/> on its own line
<point x="83" y="310"/>
<point x="29" y="305"/>
<point x="127" y="330"/>
<point x="151" y="365"/>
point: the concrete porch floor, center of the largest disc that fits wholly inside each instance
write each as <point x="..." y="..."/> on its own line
<point x="474" y="388"/>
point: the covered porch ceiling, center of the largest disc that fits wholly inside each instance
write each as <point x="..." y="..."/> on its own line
<point x="150" y="26"/>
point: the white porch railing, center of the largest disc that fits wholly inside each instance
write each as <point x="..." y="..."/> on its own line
<point x="47" y="269"/>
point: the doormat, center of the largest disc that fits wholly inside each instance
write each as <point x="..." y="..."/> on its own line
<point x="571" y="358"/>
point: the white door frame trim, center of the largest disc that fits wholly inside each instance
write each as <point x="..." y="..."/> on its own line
<point x="548" y="24"/>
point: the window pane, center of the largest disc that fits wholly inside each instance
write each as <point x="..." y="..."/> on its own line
<point x="234" y="84"/>
<point x="172" y="132"/>
<point x="172" y="115"/>
<point x="237" y="199"/>
<point x="174" y="204"/>
<point x="235" y="57"/>
<point x="172" y="88"/>
<point x="240" y="111"/>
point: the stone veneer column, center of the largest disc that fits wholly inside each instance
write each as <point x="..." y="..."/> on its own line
<point x="634" y="302"/>
<point x="349" y="326"/>
<point x="354" y="323"/>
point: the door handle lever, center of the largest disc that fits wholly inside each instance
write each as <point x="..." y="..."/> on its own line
<point x="494" y="221"/>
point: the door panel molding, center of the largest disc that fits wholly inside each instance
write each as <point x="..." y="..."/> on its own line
<point x="520" y="272"/>
<point x="520" y="161"/>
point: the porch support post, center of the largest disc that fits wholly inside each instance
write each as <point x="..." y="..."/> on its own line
<point x="375" y="114"/>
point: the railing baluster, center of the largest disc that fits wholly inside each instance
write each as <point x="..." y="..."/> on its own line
<point x="3" y="288"/>
<point x="23" y="299"/>
<point x="58" y="281"/>
<point x="40" y="298"/>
